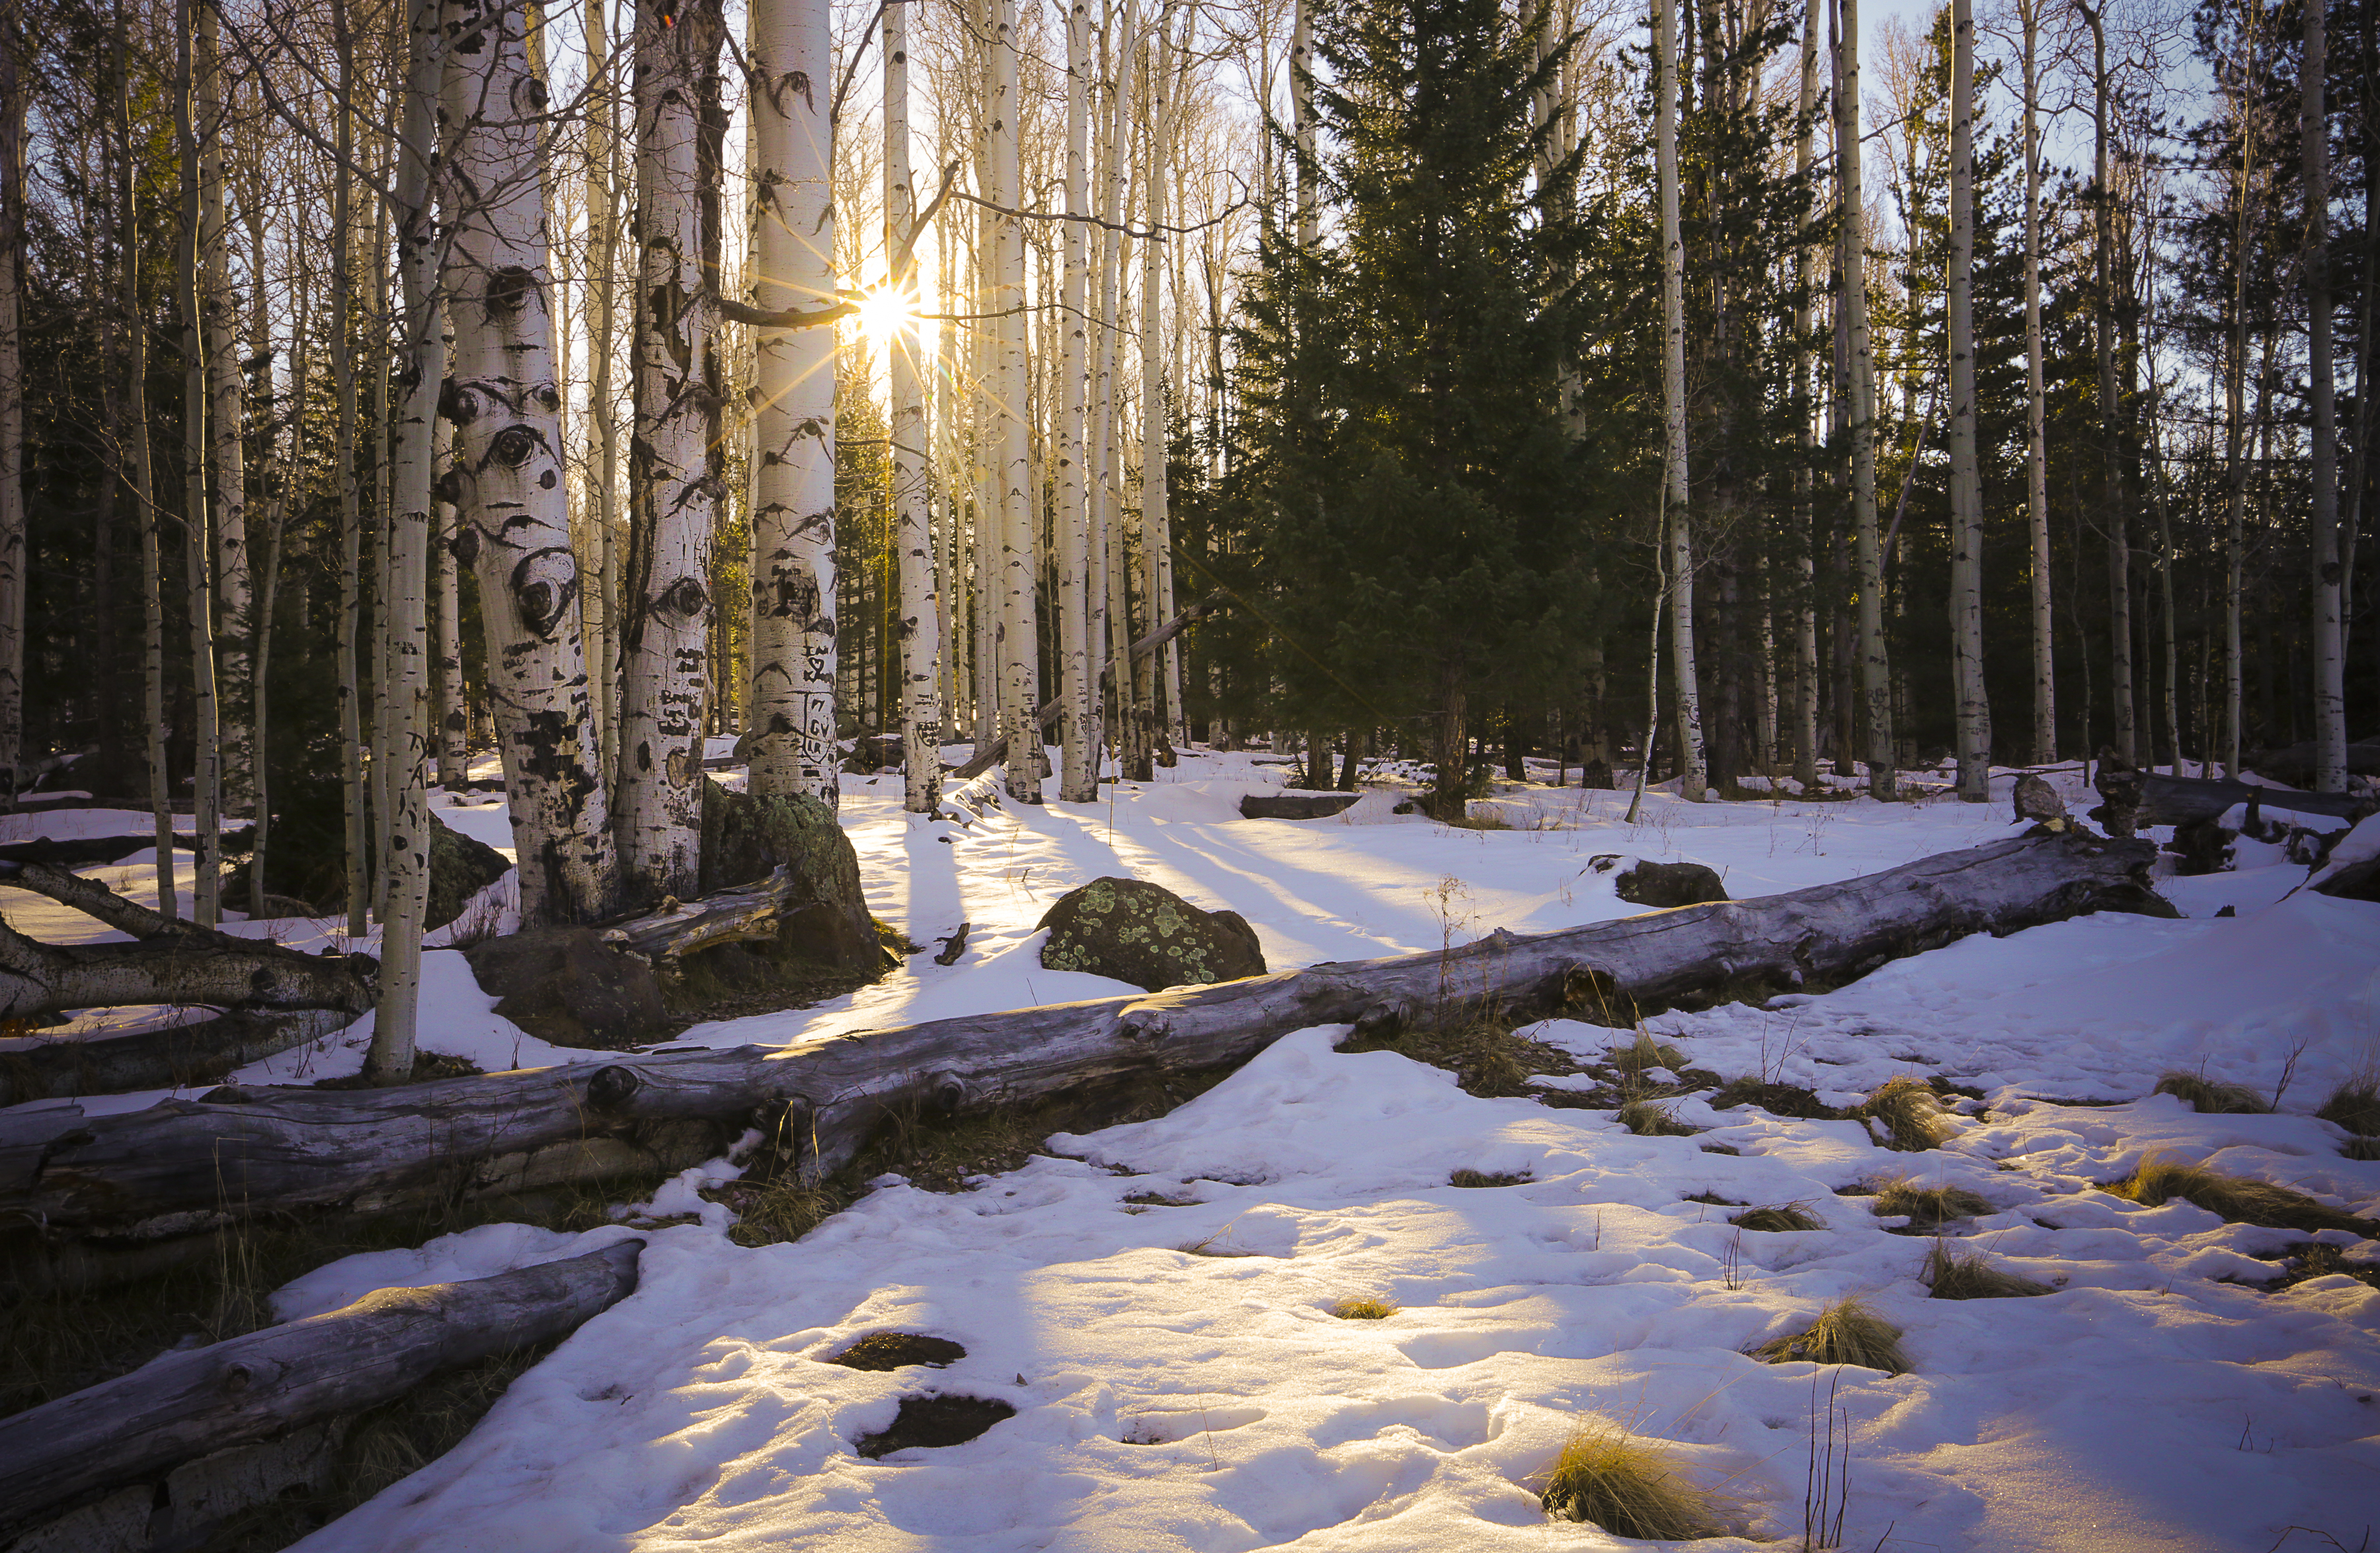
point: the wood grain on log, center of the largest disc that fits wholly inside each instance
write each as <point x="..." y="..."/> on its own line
<point x="183" y="966"/>
<point x="664" y="938"/>
<point x="92" y="899"/>
<point x="2168" y="800"/>
<point x="185" y="1164"/>
<point x="36" y="1068"/>
<point x="185" y="1405"/>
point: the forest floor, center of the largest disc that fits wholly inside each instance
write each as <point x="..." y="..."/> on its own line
<point x="1154" y="1302"/>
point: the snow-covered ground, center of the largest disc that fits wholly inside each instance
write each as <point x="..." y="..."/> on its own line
<point x="2161" y="1398"/>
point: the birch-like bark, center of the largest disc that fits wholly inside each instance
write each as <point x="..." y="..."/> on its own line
<point x="1973" y="712"/>
<point x="143" y="475"/>
<point x="343" y="378"/>
<point x="602" y="344"/>
<point x="920" y="617"/>
<point x="1011" y="452"/>
<point x="794" y="382"/>
<point x="514" y="515"/>
<point x="1113" y="615"/>
<point x="1805" y="624"/>
<point x="206" y="892"/>
<point x="1875" y="662"/>
<point x="1156" y="526"/>
<point x="12" y="410"/>
<point x="1678" y="540"/>
<point x="665" y="635"/>
<point x="2120" y="548"/>
<point x="227" y="461"/>
<point x="447" y="689"/>
<point x="1301" y="118"/>
<point x="1078" y="779"/>
<point x="412" y="470"/>
<point x="2329" y="658"/>
<point x="2246" y="96"/>
<point x="2037" y="450"/>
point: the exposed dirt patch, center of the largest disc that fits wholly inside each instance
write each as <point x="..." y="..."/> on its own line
<point x="892" y="1351"/>
<point x="934" y="1421"/>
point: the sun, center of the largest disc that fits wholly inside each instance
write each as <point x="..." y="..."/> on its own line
<point x="883" y="313"/>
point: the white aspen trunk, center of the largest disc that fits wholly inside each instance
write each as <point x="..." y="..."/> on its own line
<point x="385" y="715"/>
<point x="2119" y="552"/>
<point x="1875" y="662"/>
<point x="1170" y="654"/>
<point x="1678" y="540"/>
<point x="1805" y="624"/>
<point x="12" y="420"/>
<point x="515" y="522"/>
<point x="1974" y="712"/>
<point x="1120" y="717"/>
<point x="143" y="476"/>
<point x="920" y="617"/>
<point x="2235" y="547"/>
<point x="412" y="471"/>
<point x="2329" y="575"/>
<point x="793" y="383"/>
<point x="2036" y="452"/>
<point x="226" y="457"/>
<point x="446" y="663"/>
<point x="950" y="547"/>
<point x="1156" y="526"/>
<point x="206" y="893"/>
<point x="1018" y="583"/>
<point x="1078" y="779"/>
<point x="602" y="343"/>
<point x="665" y="632"/>
<point x="1301" y="118"/>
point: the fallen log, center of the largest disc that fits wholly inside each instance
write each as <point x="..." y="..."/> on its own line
<point x="216" y="969"/>
<point x="755" y="912"/>
<point x="43" y="1068"/>
<point x="187" y="1165"/>
<point x="1296" y="806"/>
<point x="182" y="1406"/>
<point x="2171" y="800"/>
<point x="82" y="852"/>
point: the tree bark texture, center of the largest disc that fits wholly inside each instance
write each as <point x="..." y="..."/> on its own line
<point x="2329" y="575"/>
<point x="503" y="398"/>
<point x="189" y="1404"/>
<point x="1973" y="710"/>
<point x="1875" y="662"/>
<point x="206" y="794"/>
<point x="12" y="408"/>
<point x="793" y="468"/>
<point x="1078" y="778"/>
<point x="227" y="454"/>
<point x="173" y="1169"/>
<point x="1679" y="538"/>
<point x="2037" y="450"/>
<point x="674" y="494"/>
<point x="920" y="611"/>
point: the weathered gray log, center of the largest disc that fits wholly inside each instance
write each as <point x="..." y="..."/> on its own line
<point x="191" y="966"/>
<point x="1296" y="806"/>
<point x="187" y="1405"/>
<point x="753" y="912"/>
<point x="92" y="899"/>
<point x="187" y="1165"/>
<point x="2171" y="800"/>
<point x="37" y="1068"/>
<point x="81" y="852"/>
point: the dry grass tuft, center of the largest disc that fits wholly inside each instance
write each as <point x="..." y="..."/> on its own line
<point x="1484" y="1178"/>
<point x="2160" y="1180"/>
<point x="1365" y="1309"/>
<point x="2355" y="1105"/>
<point x="1646" y="1053"/>
<point x="1786" y="1219"/>
<point x="1927" y="1208"/>
<point x="1910" y="1111"/>
<point x="1846" y="1332"/>
<point x="1628" y="1486"/>
<point x="2210" y="1099"/>
<point x="1953" y="1276"/>
<point x="1649" y="1120"/>
<point x="1484" y="1055"/>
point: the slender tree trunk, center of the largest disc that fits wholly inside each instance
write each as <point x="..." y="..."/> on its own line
<point x="207" y="778"/>
<point x="602" y="342"/>
<point x="1974" y="707"/>
<point x="2329" y="575"/>
<point x="2120" y="586"/>
<point x="1115" y="613"/>
<point x="1079" y="775"/>
<point x="1875" y="662"/>
<point x="1678" y="540"/>
<point x="920" y="614"/>
<point x="343" y="377"/>
<point x="422" y="344"/>
<point x="449" y="692"/>
<point x="793" y="474"/>
<point x="1806" y="522"/>
<point x="150" y="512"/>
<point x="674" y="500"/>
<point x="1010" y="449"/>
<point x="1156" y="530"/>
<point x="515" y="528"/>
<point x="13" y="553"/>
<point x="2036" y="454"/>
<point x="2245" y="98"/>
<point x="226" y="458"/>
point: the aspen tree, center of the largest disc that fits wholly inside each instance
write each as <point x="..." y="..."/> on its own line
<point x="1156" y="534"/>
<point x="1010" y="452"/>
<point x="793" y="383"/>
<point x="411" y="471"/>
<point x="1679" y="541"/>
<point x="1078" y="779"/>
<point x="602" y="344"/>
<point x="1805" y="631"/>
<point x="1875" y="662"/>
<point x="447" y="662"/>
<point x="206" y="890"/>
<point x="516" y="531"/>
<point x="2037" y="447"/>
<point x="141" y="475"/>
<point x="13" y="553"/>
<point x="1974" y="709"/>
<point x="342" y="377"/>
<point x="226" y="458"/>
<point x="2120" y="547"/>
<point x="1115" y="610"/>
<point x="921" y="614"/>
<point x="2329" y="575"/>
<point x="666" y="626"/>
<point x="2246" y="94"/>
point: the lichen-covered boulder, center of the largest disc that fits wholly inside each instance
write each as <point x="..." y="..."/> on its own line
<point x="1146" y="934"/>
<point x="746" y="838"/>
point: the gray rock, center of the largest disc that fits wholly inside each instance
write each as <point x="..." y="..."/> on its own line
<point x="460" y="868"/>
<point x="564" y="985"/>
<point x="1660" y="885"/>
<point x="2035" y="799"/>
<point x="1145" y="934"/>
<point x="745" y="839"/>
<point x="1296" y="806"/>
